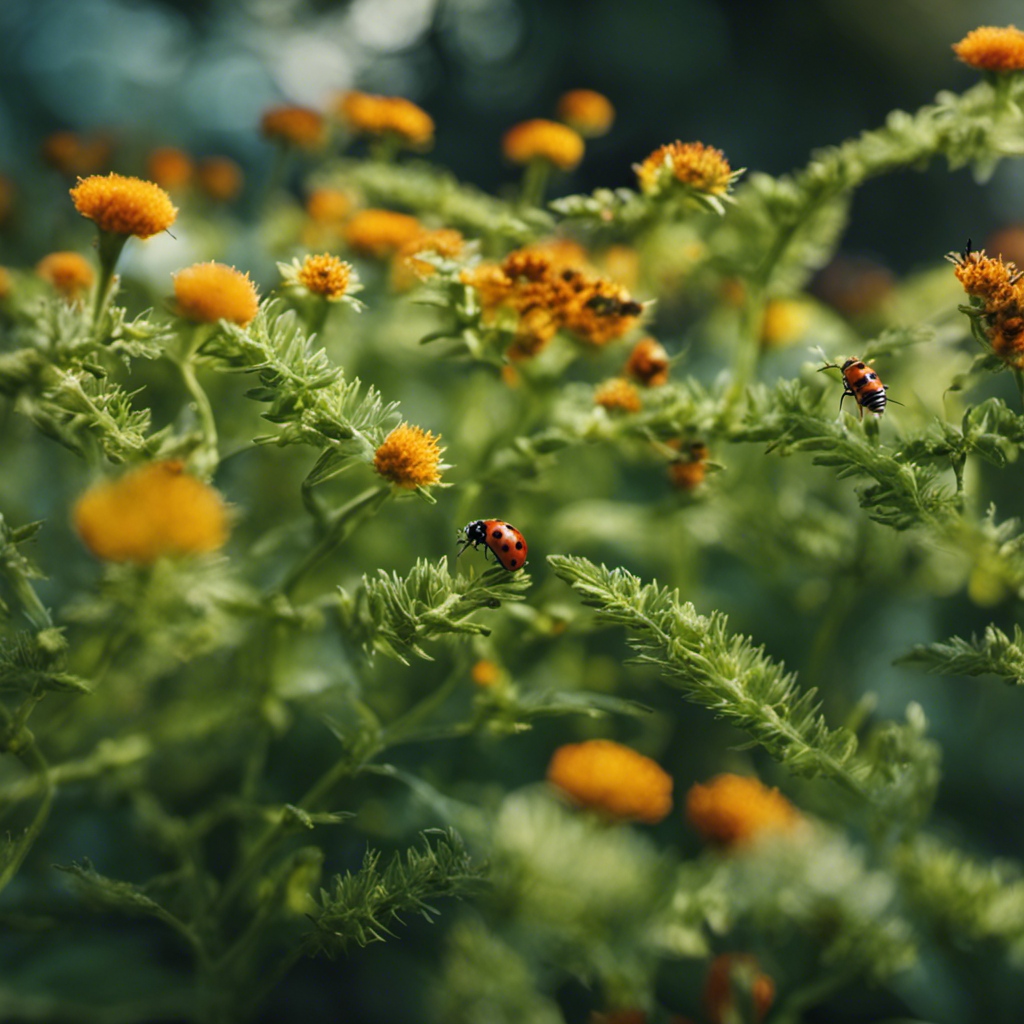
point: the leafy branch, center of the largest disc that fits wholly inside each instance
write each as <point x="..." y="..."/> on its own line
<point x="395" y="615"/>
<point x="994" y="653"/>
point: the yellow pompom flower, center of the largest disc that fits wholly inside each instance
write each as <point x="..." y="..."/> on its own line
<point x="220" y="178"/>
<point x="409" y="457"/>
<point x="325" y="275"/>
<point x="69" y="272"/>
<point x="151" y="512"/>
<point x="122" y="205"/>
<point x="605" y="776"/>
<point x="588" y="112"/>
<point x="171" y="168"/>
<point x="384" y="115"/>
<point x="380" y="233"/>
<point x="731" y="810"/>
<point x="989" y="48"/>
<point x="618" y="395"/>
<point x="295" y="126"/>
<point x="485" y="673"/>
<point x="539" y="139"/>
<point x="208" y="292"/>
<point x="692" y="164"/>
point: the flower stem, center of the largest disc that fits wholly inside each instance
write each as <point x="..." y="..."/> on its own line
<point x="535" y="183"/>
<point x="110" y="246"/>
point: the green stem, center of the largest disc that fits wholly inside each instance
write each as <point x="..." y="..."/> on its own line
<point x="749" y="352"/>
<point x="110" y="246"/>
<point x="34" y="609"/>
<point x="276" y="177"/>
<point x="535" y="183"/>
<point x="206" y="458"/>
<point x="339" y="527"/>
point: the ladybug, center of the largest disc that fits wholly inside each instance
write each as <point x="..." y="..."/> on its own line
<point x="861" y="381"/>
<point x="507" y="543"/>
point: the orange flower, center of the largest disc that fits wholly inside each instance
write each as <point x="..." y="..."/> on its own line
<point x="485" y="673"/>
<point x="543" y="140"/>
<point x="1000" y="286"/>
<point x="732" y="810"/>
<point x="387" y="115"/>
<point x="325" y="275"/>
<point x="733" y="975"/>
<point x="69" y="272"/>
<point x="220" y="178"/>
<point x="150" y="512"/>
<point x="328" y="205"/>
<point x="208" y="292"/>
<point x="169" y="167"/>
<point x="74" y="155"/>
<point x="294" y="126"/>
<point x="445" y="242"/>
<point x="687" y="472"/>
<point x="379" y="233"/>
<point x="605" y="776"/>
<point x="618" y="395"/>
<point x="124" y="206"/>
<point x="588" y="112"/>
<point x="992" y="49"/>
<point x="784" y="322"/>
<point x="692" y="164"/>
<point x="409" y="457"/>
<point x="648" y="362"/>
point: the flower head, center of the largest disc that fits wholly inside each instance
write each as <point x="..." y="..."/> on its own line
<point x="691" y="164"/>
<point x="387" y="115"/>
<point x="69" y="272"/>
<point x="648" y="363"/>
<point x="169" y="167"/>
<point x="1000" y="287"/>
<point x="124" y="206"/>
<point x="618" y="395"/>
<point x="605" y="776"/>
<point x="75" y="155"/>
<point x="381" y="233"/>
<point x="543" y="140"/>
<point x="444" y="242"/>
<point x="588" y="112"/>
<point x="152" y="511"/>
<point x="325" y="275"/>
<point x="328" y="205"/>
<point x="687" y="472"/>
<point x="485" y="673"/>
<point x="294" y="126"/>
<point x="220" y="178"/>
<point x="731" y="810"/>
<point x="409" y="457"/>
<point x="992" y="49"/>
<point x="208" y="292"/>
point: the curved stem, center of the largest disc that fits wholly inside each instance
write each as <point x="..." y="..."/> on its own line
<point x="110" y="246"/>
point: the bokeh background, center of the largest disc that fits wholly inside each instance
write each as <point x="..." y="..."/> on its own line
<point x="765" y="82"/>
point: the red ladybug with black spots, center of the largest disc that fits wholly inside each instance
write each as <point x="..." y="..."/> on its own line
<point x="507" y="543"/>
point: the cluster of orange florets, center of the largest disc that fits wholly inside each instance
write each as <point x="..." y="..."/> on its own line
<point x="999" y="287"/>
<point x="547" y="295"/>
<point x="989" y="48"/>
<point x="688" y="164"/>
<point x="386" y="115"/>
<point x="732" y="810"/>
<point x="409" y="457"/>
<point x="122" y="205"/>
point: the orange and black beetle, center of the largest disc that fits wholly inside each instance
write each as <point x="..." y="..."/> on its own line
<point x="861" y="381"/>
<point x="507" y="543"/>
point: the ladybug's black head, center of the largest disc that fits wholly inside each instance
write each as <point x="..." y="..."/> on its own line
<point x="476" y="532"/>
<point x="849" y="363"/>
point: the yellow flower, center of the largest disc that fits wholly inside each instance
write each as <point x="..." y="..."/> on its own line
<point x="208" y="292"/>
<point x="1000" y="286"/>
<point x="220" y="178"/>
<point x="731" y="810"/>
<point x="648" y="363"/>
<point x="485" y="673"/>
<point x="383" y="115"/>
<point x="169" y="167"/>
<point x="325" y="275"/>
<point x="409" y="457"/>
<point x="539" y="139"/>
<point x="380" y="233"/>
<point x="296" y="126"/>
<point x="150" y="512"/>
<point x="124" y="206"/>
<point x="605" y="776"/>
<point x="618" y="395"/>
<point x="992" y="49"/>
<point x="588" y="112"/>
<point x="328" y="205"/>
<point x="74" y="155"/>
<point x="784" y="322"/>
<point x="445" y="242"/>
<point x="69" y="272"/>
<point x="699" y="167"/>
